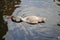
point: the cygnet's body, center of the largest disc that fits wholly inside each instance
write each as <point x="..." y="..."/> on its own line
<point x="32" y="19"/>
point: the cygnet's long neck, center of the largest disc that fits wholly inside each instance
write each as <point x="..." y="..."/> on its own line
<point x="21" y="18"/>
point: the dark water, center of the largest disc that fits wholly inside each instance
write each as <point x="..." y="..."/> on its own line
<point x="24" y="31"/>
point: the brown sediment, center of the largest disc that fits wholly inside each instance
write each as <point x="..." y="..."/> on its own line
<point x="10" y="6"/>
<point x="6" y="8"/>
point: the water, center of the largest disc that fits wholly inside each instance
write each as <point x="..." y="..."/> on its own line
<point x="44" y="31"/>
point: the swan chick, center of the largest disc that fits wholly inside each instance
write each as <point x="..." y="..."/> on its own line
<point x="34" y="19"/>
<point x="31" y="19"/>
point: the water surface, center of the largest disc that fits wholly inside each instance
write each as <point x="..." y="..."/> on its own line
<point x="44" y="31"/>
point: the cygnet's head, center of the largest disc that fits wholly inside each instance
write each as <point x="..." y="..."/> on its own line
<point x="14" y="19"/>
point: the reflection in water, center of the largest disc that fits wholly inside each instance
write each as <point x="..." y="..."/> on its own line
<point x="6" y="8"/>
<point x="59" y="14"/>
<point x="57" y="2"/>
<point x="58" y="24"/>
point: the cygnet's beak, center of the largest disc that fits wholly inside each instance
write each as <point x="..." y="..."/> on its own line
<point x="9" y="17"/>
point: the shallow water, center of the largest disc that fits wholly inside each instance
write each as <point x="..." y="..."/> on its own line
<point x="44" y="31"/>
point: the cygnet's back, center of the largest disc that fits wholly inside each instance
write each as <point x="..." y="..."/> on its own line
<point x="31" y="19"/>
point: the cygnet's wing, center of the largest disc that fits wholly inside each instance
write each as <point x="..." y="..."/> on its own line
<point x="31" y="19"/>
